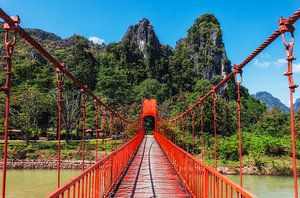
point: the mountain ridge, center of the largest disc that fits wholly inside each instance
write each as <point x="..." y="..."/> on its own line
<point x="273" y="102"/>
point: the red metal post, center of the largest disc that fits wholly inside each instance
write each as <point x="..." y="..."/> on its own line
<point x="96" y="127"/>
<point x="238" y="83"/>
<point x="215" y="97"/>
<point x="187" y="133"/>
<point x="176" y="135"/>
<point x="83" y="107"/>
<point x="104" y="131"/>
<point x="178" y="132"/>
<point x="202" y="131"/>
<point x="9" y="49"/>
<point x="60" y="81"/>
<point x="285" y="27"/>
<point x="182" y="132"/>
<point x="110" y="124"/>
<point x="193" y="131"/>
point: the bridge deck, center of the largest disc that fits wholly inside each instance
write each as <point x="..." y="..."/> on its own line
<point x="150" y="174"/>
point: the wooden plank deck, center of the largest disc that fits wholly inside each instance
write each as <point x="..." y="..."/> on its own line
<point x="150" y="175"/>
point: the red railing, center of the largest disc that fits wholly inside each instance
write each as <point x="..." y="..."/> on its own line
<point x="200" y="179"/>
<point x="98" y="180"/>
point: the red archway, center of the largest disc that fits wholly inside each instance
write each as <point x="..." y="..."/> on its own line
<point x="149" y="108"/>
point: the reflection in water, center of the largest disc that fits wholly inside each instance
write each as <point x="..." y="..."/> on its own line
<point x="267" y="186"/>
<point x="34" y="183"/>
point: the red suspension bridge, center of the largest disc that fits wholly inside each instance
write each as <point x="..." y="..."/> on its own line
<point x="149" y="166"/>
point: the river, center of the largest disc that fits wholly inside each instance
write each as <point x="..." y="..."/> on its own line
<point x="34" y="183"/>
<point x="39" y="183"/>
<point x="268" y="186"/>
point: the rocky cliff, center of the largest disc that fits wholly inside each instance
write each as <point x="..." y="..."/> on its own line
<point x="143" y="35"/>
<point x="206" y="49"/>
<point x="201" y="54"/>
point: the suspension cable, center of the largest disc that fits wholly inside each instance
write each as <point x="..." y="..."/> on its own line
<point x="238" y="83"/>
<point x="96" y="127"/>
<point x="83" y="107"/>
<point x="173" y="132"/>
<point x="9" y="49"/>
<point x="104" y="130"/>
<point x="202" y="131"/>
<point x="187" y="133"/>
<point x="285" y="27"/>
<point x="193" y="131"/>
<point x="178" y="131"/>
<point x="110" y="124"/>
<point x="215" y="97"/>
<point x="60" y="81"/>
<point x="182" y="132"/>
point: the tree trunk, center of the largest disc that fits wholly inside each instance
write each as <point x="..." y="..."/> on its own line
<point x="27" y="138"/>
<point x="67" y="135"/>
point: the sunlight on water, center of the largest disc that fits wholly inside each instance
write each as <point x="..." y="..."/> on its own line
<point x="267" y="186"/>
<point x="34" y="183"/>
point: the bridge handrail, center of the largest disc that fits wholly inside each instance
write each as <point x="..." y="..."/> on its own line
<point x="107" y="166"/>
<point x="197" y="182"/>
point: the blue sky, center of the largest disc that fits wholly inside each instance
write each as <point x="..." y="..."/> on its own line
<point x="245" y="25"/>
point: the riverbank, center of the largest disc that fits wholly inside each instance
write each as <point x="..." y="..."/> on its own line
<point x="254" y="170"/>
<point x="46" y="164"/>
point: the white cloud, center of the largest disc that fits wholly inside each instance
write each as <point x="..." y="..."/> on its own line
<point x="96" y="40"/>
<point x="281" y="61"/>
<point x="296" y="67"/>
<point x="263" y="64"/>
<point x="278" y="63"/>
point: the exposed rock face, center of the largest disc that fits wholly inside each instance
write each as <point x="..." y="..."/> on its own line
<point x="142" y="49"/>
<point x="205" y="48"/>
<point x="143" y="35"/>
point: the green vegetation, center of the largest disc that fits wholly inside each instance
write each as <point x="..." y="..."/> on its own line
<point x="124" y="73"/>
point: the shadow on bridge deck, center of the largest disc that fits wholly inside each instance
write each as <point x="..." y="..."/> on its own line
<point x="150" y="174"/>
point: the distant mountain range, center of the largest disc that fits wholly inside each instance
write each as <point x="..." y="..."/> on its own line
<point x="297" y="104"/>
<point x="273" y="102"/>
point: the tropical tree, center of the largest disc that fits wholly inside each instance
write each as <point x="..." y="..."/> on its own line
<point x="27" y="107"/>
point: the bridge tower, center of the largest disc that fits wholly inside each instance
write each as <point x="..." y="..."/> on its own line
<point x="149" y="108"/>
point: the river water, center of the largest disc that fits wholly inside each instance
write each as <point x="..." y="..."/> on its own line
<point x="34" y="183"/>
<point x="268" y="186"/>
<point x="39" y="183"/>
